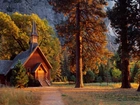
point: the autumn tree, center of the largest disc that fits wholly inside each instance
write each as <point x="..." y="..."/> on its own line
<point x="83" y="30"/>
<point x="125" y="20"/>
<point x="8" y="31"/>
<point x="15" y="31"/>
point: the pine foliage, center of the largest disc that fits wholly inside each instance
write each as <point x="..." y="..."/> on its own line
<point x="125" y="20"/>
<point x="19" y="76"/>
<point x="126" y="14"/>
<point x="92" y="30"/>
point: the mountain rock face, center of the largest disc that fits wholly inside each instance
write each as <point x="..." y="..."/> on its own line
<point x="44" y="10"/>
<point x="40" y="7"/>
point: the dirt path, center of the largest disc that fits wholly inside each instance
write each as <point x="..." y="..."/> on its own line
<point x="51" y="96"/>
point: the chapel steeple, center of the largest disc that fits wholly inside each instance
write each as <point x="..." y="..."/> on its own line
<point x="33" y="37"/>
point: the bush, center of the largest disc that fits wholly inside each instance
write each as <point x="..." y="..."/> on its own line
<point x="72" y="78"/>
<point x="64" y="79"/>
<point x="134" y="70"/>
<point x="32" y="81"/>
<point x="19" y="76"/>
<point x="89" y="77"/>
<point x="99" y="79"/>
<point x="116" y="75"/>
<point x="137" y="79"/>
<point x="107" y="76"/>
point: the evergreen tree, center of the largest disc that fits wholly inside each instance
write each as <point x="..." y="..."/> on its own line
<point x="83" y="30"/>
<point x="125" y="19"/>
<point x="19" y="76"/>
<point x="65" y="66"/>
<point x="101" y="72"/>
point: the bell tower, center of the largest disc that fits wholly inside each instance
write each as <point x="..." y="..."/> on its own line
<point x="33" y="37"/>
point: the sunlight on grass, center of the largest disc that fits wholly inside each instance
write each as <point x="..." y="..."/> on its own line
<point x="93" y="85"/>
<point x="101" y="94"/>
<point x="12" y="96"/>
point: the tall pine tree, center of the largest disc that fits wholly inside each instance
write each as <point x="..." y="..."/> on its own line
<point x="124" y="18"/>
<point x="84" y="29"/>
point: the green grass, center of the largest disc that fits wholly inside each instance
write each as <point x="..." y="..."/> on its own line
<point x="91" y="94"/>
<point x="101" y="94"/>
<point x="96" y="85"/>
<point x="14" y="96"/>
<point x="90" y="97"/>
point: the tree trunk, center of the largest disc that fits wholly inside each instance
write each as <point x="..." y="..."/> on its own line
<point x="124" y="47"/>
<point x="125" y="74"/>
<point x="138" y="88"/>
<point x="125" y="59"/>
<point x="79" y="74"/>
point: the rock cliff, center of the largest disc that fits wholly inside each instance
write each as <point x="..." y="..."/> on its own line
<point x="40" y="7"/>
<point x="44" y="10"/>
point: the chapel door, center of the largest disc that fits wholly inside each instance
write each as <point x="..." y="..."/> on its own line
<point x="41" y="74"/>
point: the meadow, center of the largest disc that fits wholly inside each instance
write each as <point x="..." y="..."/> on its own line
<point x="101" y="94"/>
<point x="14" y="96"/>
<point x="91" y="94"/>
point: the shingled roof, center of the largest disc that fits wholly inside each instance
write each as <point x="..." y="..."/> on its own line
<point x="22" y="57"/>
<point x="4" y="66"/>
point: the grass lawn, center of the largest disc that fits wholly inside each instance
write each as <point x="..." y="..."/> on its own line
<point x="91" y="94"/>
<point x="14" y="96"/>
<point x="94" y="94"/>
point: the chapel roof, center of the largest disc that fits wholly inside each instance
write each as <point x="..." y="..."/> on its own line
<point x="23" y="57"/>
<point x="4" y="66"/>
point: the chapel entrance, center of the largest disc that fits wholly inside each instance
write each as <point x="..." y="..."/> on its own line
<point x="42" y="77"/>
<point x="41" y="74"/>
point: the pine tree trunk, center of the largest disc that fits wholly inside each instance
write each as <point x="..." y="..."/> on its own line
<point x="125" y="74"/>
<point x="79" y="74"/>
<point x="125" y="60"/>
<point x="138" y="88"/>
<point x="124" y="47"/>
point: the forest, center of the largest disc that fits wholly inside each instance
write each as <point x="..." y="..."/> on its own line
<point x="77" y="47"/>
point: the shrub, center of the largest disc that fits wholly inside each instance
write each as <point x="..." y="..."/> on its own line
<point x="134" y="70"/>
<point x="19" y="76"/>
<point x="33" y="82"/>
<point x="116" y="74"/>
<point x="137" y="79"/>
<point x="89" y="77"/>
<point x="72" y="78"/>
<point x="99" y="79"/>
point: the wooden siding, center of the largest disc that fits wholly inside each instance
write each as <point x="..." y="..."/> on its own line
<point x="37" y="58"/>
